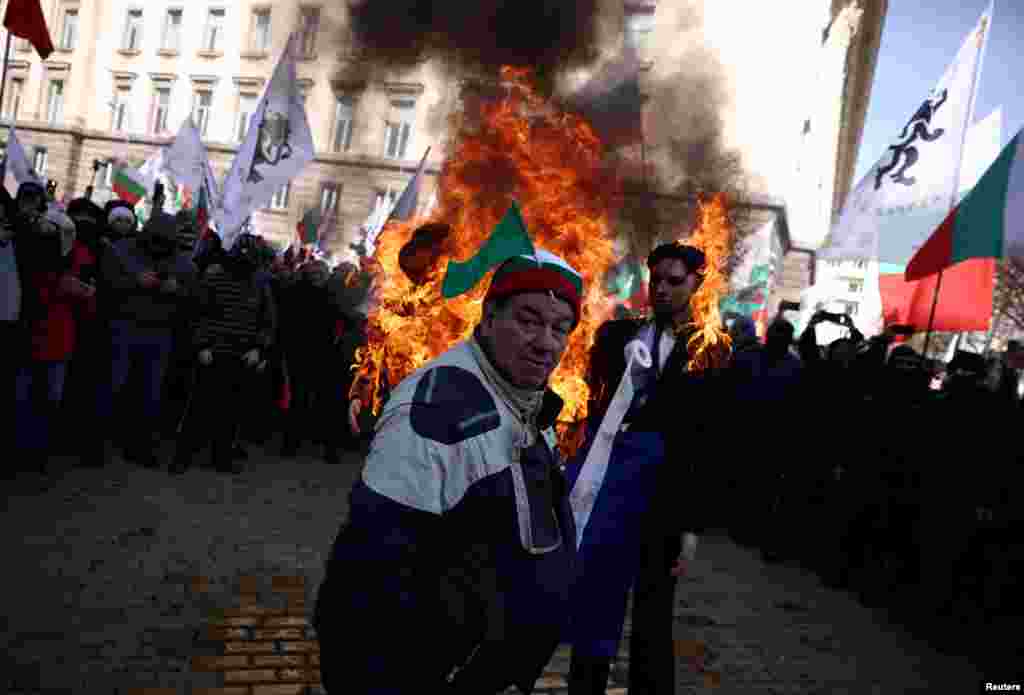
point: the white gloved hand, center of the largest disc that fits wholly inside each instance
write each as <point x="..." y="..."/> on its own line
<point x="251" y="358"/>
<point x="205" y="358"/>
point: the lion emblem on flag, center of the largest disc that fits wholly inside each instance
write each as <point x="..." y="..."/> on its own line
<point x="272" y="143"/>
<point x="904" y="154"/>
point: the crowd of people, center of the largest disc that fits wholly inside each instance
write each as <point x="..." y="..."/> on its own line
<point x="863" y="462"/>
<point x="121" y="336"/>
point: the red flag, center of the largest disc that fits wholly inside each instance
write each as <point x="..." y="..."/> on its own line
<point x="965" y="297"/>
<point x="25" y="19"/>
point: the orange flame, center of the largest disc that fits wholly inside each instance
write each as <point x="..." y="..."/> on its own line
<point x="552" y="164"/>
<point x="709" y="345"/>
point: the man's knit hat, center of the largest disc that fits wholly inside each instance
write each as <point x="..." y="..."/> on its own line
<point x="542" y="272"/>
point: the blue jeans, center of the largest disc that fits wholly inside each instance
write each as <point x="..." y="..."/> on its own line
<point x="148" y="351"/>
<point x="38" y="389"/>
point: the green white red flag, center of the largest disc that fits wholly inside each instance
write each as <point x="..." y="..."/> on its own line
<point x="130" y="185"/>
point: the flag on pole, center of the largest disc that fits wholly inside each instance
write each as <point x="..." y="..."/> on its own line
<point x="18" y="164"/>
<point x="308" y="227"/>
<point x="910" y="189"/>
<point x="988" y="222"/>
<point x="508" y="240"/>
<point x="277" y="147"/>
<point x="407" y="203"/>
<point x="130" y="185"/>
<point x="965" y="293"/>
<point x="25" y="19"/>
<point x="186" y="159"/>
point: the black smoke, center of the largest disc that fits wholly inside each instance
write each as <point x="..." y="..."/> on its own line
<point x="484" y="35"/>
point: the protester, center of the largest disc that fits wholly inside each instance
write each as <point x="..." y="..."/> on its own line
<point x="151" y="283"/>
<point x="647" y="517"/>
<point x="460" y="525"/>
<point x="234" y="329"/>
<point x="51" y="292"/>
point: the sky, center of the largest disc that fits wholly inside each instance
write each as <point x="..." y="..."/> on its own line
<point x="918" y="43"/>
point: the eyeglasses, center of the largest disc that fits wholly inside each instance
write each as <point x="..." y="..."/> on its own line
<point x="673" y="280"/>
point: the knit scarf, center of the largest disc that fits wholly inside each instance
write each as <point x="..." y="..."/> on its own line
<point x="525" y="403"/>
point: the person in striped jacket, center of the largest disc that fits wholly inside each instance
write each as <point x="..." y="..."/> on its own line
<point x="234" y="328"/>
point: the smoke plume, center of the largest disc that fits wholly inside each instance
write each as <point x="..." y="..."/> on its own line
<point x="484" y="35"/>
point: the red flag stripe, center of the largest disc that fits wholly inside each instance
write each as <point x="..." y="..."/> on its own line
<point x="936" y="253"/>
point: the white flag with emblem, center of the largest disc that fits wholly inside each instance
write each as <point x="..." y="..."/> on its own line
<point x="18" y="165"/>
<point x="186" y="159"/>
<point x="277" y="146"/>
<point x="906" y="195"/>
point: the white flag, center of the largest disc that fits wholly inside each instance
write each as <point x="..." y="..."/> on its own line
<point x="18" y="165"/>
<point x="152" y="168"/>
<point x="277" y="146"/>
<point x="984" y="143"/>
<point x="186" y="159"/>
<point x="906" y="195"/>
<point x="407" y="203"/>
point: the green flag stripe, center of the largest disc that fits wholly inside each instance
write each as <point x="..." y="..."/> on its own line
<point x="509" y="239"/>
<point x="980" y="228"/>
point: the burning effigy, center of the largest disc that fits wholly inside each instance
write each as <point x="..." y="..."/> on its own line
<point x="518" y="147"/>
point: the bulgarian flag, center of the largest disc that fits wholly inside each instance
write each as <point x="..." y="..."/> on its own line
<point x="988" y="222"/>
<point x="129" y="185"/>
<point x="309" y="225"/>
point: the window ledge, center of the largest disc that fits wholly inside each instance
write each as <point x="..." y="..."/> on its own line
<point x="129" y="51"/>
<point x="255" y="55"/>
<point x="307" y="58"/>
<point x="203" y="53"/>
<point x="275" y="211"/>
<point x="64" y="49"/>
<point x="168" y="52"/>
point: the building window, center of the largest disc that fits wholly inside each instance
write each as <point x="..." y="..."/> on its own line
<point x="855" y="285"/>
<point x="260" y="31"/>
<point x="398" y="128"/>
<point x="15" y="90"/>
<point x="246" y="108"/>
<point x="329" y="195"/>
<point x="213" y="32"/>
<point x="384" y="198"/>
<point x="69" y="30"/>
<point x="639" y="25"/>
<point x="309" y="26"/>
<point x="344" y="112"/>
<point x="120" y="115"/>
<point x="161" y="107"/>
<point x="132" y="39"/>
<point x="55" y="102"/>
<point x="202" y="103"/>
<point x="171" y="39"/>
<point x="40" y="159"/>
<point x="280" y="199"/>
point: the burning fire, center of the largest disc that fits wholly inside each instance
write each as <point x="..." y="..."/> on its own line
<point x="713" y="234"/>
<point x="552" y="164"/>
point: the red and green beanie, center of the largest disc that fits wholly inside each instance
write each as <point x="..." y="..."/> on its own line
<point x="520" y="267"/>
<point x="542" y="272"/>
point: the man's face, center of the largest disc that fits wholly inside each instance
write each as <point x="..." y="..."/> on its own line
<point x="528" y="336"/>
<point x="671" y="287"/>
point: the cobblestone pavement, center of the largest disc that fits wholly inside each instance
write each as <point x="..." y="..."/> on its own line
<point x="130" y="578"/>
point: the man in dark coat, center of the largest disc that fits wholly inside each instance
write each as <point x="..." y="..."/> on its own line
<point x="667" y="424"/>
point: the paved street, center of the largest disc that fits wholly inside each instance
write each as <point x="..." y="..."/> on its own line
<point x="201" y="583"/>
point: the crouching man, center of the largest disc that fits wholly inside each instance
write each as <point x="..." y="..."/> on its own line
<point x="452" y="572"/>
